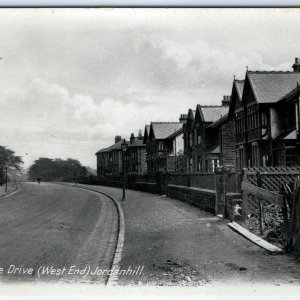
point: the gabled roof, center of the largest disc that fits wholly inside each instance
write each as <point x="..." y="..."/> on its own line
<point x="213" y="113"/>
<point x="290" y="135"/>
<point x="103" y="150"/>
<point x="291" y="95"/>
<point x="147" y="129"/>
<point x="162" y="130"/>
<point x="191" y="114"/>
<point x="214" y="150"/>
<point x="136" y="142"/>
<point x="270" y="87"/>
<point x="219" y="121"/>
<point x="116" y="146"/>
<point x="146" y="133"/>
<point x="176" y="133"/>
<point x="239" y="84"/>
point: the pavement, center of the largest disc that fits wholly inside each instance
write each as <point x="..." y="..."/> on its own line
<point x="180" y="245"/>
<point x="11" y="187"/>
<point x="49" y="226"/>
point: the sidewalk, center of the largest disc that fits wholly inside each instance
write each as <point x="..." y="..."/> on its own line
<point x="180" y="245"/>
<point x="11" y="187"/>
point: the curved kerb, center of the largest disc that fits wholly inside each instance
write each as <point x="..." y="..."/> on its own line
<point x="113" y="278"/>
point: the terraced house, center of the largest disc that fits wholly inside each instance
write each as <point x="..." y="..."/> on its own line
<point x="164" y="142"/>
<point x="109" y="160"/>
<point x="267" y="119"/>
<point x="135" y="156"/>
<point x="201" y="141"/>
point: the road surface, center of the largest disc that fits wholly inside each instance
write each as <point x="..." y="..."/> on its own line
<point x="71" y="230"/>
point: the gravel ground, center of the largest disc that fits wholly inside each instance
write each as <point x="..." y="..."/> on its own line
<point x="179" y="245"/>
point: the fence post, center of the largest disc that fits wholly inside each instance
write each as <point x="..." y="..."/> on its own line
<point x="220" y="192"/>
<point x="261" y="217"/>
<point x="258" y="179"/>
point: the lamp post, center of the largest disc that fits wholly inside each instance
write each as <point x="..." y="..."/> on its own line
<point x="124" y="147"/>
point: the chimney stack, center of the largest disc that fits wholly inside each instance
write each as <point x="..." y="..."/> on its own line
<point x="131" y="138"/>
<point x="183" y="118"/>
<point x="140" y="136"/>
<point x="226" y="100"/>
<point x="296" y="65"/>
<point x="118" y="138"/>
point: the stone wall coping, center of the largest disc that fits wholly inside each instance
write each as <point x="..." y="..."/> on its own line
<point x="142" y="182"/>
<point x="187" y="188"/>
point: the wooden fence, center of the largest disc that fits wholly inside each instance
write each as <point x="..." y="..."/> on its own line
<point x="256" y="199"/>
<point x="270" y="178"/>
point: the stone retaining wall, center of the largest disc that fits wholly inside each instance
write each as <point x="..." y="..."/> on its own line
<point x="201" y="198"/>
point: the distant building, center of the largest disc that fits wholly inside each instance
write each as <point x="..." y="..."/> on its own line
<point x="163" y="143"/>
<point x="136" y="155"/>
<point x="201" y="147"/>
<point x="109" y="160"/>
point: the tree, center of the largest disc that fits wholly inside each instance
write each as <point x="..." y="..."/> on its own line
<point x="57" y="169"/>
<point x="9" y="161"/>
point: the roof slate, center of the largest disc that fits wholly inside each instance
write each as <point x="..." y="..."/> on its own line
<point x="269" y="87"/>
<point x="116" y="146"/>
<point x="162" y="130"/>
<point x="136" y="142"/>
<point x="213" y="113"/>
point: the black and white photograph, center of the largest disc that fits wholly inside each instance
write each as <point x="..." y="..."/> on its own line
<point x="150" y="151"/>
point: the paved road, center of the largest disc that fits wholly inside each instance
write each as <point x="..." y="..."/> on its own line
<point x="51" y="225"/>
<point x="180" y="245"/>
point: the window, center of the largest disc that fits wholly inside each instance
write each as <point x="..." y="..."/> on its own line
<point x="263" y="117"/>
<point x="199" y="139"/>
<point x="190" y="164"/>
<point x="241" y="158"/>
<point x="199" y="166"/>
<point x="161" y="146"/>
<point x="254" y="157"/>
<point x="190" y="139"/>
<point x="215" y="163"/>
<point x="195" y="137"/>
<point x="211" y="165"/>
<point x="290" y="157"/>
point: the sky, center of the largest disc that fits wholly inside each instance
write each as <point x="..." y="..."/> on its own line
<point x="72" y="79"/>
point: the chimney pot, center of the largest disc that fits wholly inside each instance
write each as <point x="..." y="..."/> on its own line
<point x="183" y="118"/>
<point x="131" y="138"/>
<point x="296" y="65"/>
<point x="140" y="136"/>
<point x="226" y="100"/>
